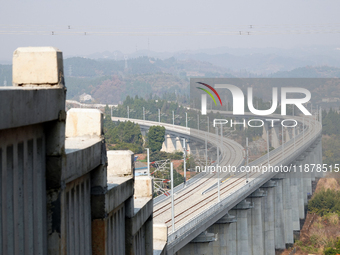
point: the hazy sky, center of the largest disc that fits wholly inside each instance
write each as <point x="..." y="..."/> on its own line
<point x="167" y="25"/>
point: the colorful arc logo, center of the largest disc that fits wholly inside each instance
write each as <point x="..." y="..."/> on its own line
<point x="209" y="93"/>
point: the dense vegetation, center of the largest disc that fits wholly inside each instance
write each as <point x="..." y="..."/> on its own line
<point x="331" y="139"/>
<point x="156" y="136"/>
<point x="333" y="250"/>
<point x="324" y="202"/>
<point x="122" y="135"/>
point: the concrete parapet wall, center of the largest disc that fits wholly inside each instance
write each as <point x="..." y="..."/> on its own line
<point x="143" y="186"/>
<point x="120" y="163"/>
<point x="63" y="195"/>
<point x="38" y="66"/>
<point x="82" y="122"/>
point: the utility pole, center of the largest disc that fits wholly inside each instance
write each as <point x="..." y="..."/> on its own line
<point x="283" y="143"/>
<point x="184" y="162"/>
<point x="247" y="158"/>
<point x="218" y="163"/>
<point x="159" y="115"/>
<point x="303" y="129"/>
<point x="268" y="145"/>
<point x="148" y="160"/>
<point x="186" y="120"/>
<point x="172" y="198"/>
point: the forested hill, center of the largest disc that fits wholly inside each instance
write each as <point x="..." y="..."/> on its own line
<point x="110" y="81"/>
<point x="309" y="72"/>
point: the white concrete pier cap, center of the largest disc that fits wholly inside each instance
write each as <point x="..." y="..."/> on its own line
<point x="38" y="66"/>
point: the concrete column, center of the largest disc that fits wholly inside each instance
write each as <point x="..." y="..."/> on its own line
<point x="232" y="249"/>
<point x="287" y="210"/>
<point x="278" y="214"/>
<point x="187" y="144"/>
<point x="269" y="233"/>
<point x="202" y="244"/>
<point x="264" y="131"/>
<point x="294" y="192"/>
<point x="221" y="228"/>
<point x="242" y="227"/>
<point x="312" y="174"/>
<point x="320" y="160"/>
<point x="164" y="146"/>
<point x="308" y="176"/>
<point x="288" y="134"/>
<point x="179" y="146"/>
<point x="169" y="144"/>
<point x="255" y="224"/>
<point x="301" y="187"/>
<point x="275" y="141"/>
<point x="305" y="179"/>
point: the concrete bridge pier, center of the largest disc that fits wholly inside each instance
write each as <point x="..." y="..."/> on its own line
<point x="268" y="218"/>
<point x="314" y="156"/>
<point x="301" y="192"/>
<point x="289" y="134"/>
<point x="279" y="214"/>
<point x="305" y="176"/>
<point x="179" y="144"/>
<point x="169" y="145"/>
<point x="265" y="130"/>
<point x="187" y="144"/>
<point x="294" y="192"/>
<point x="287" y="210"/>
<point x="309" y="175"/>
<point x="302" y="189"/>
<point x="275" y="136"/>
<point x="318" y="157"/>
<point x="222" y="228"/>
<point x="232" y="249"/>
<point x="319" y="150"/>
<point x="314" y="161"/>
<point x="242" y="246"/>
<point x="255" y="224"/>
<point x="200" y="245"/>
<point x="144" y="132"/>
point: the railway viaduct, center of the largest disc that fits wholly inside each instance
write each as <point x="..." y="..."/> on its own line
<point x="255" y="213"/>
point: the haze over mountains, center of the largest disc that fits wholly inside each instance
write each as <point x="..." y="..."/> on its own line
<point x="254" y="60"/>
<point x="111" y="76"/>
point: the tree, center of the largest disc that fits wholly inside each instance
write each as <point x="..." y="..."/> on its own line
<point x="156" y="138"/>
